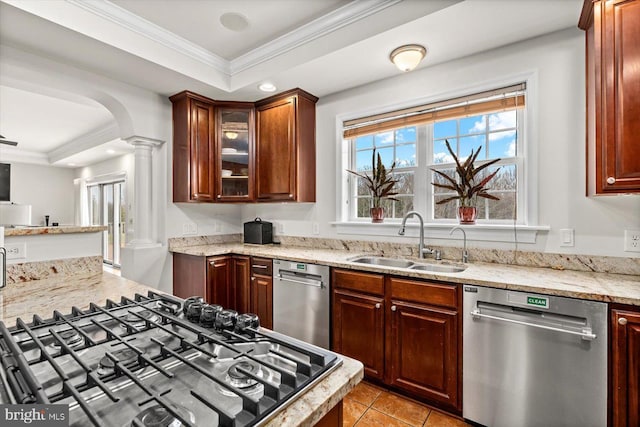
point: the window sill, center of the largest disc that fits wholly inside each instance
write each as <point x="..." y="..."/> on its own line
<point x="478" y="232"/>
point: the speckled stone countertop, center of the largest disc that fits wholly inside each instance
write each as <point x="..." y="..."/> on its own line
<point x="607" y="287"/>
<point x="63" y="229"/>
<point x="62" y="293"/>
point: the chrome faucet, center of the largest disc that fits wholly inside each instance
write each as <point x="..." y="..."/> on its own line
<point x="421" y="249"/>
<point x="465" y="254"/>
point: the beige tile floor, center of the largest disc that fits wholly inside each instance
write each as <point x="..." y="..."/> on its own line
<point x="370" y="406"/>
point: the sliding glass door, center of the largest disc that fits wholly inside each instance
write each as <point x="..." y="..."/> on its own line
<point x="107" y="207"/>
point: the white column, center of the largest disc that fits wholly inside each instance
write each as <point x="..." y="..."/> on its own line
<point x="142" y="198"/>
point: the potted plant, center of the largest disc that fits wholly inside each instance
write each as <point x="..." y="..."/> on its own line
<point x="467" y="185"/>
<point x="380" y="183"/>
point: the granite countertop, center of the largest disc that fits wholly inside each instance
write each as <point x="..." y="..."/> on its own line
<point x="606" y="287"/>
<point x="43" y="296"/>
<point x="62" y="229"/>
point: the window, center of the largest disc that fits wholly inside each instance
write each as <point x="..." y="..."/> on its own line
<point x="415" y="139"/>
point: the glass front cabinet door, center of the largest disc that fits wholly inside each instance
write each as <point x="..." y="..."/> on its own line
<point x="235" y="152"/>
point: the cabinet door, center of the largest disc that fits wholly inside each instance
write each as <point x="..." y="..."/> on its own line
<point x="219" y="276"/>
<point x="423" y="350"/>
<point x="613" y="98"/>
<point x="358" y="329"/>
<point x="262" y="299"/>
<point x="235" y="176"/>
<point x="189" y="276"/>
<point x="240" y="280"/>
<point x="202" y="151"/>
<point x="276" y="150"/>
<point x="625" y="360"/>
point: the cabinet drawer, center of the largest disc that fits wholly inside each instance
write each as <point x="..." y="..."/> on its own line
<point x="261" y="266"/>
<point x="357" y="281"/>
<point x="424" y="292"/>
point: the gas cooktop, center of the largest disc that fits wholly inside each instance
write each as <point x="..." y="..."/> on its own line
<point x="157" y="360"/>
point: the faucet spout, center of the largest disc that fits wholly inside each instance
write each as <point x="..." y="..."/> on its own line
<point x="465" y="254"/>
<point x="421" y="249"/>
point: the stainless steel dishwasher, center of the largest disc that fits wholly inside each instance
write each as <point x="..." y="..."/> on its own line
<point x="533" y="360"/>
<point x="301" y="301"/>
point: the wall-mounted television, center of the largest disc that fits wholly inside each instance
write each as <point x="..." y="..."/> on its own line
<point x="5" y="182"/>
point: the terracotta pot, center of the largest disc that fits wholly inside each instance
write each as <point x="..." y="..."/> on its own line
<point x="377" y="214"/>
<point x="467" y="214"/>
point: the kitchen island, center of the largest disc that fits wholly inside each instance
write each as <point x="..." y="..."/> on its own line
<point x="43" y="296"/>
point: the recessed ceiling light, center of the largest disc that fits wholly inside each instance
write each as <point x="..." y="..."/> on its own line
<point x="110" y="151"/>
<point x="234" y="21"/>
<point x="267" y="87"/>
<point x="71" y="164"/>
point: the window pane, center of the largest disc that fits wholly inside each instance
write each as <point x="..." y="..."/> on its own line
<point x="445" y="210"/>
<point x="444" y="129"/>
<point x="405" y="183"/>
<point x="504" y="208"/>
<point x="440" y="152"/>
<point x="440" y="180"/>
<point x="402" y="206"/>
<point x="362" y="188"/>
<point x="504" y="120"/>
<point x="406" y="156"/>
<point x="469" y="143"/>
<point x="363" y="160"/>
<point x="505" y="179"/>
<point x="364" y="142"/>
<point x="502" y="144"/>
<point x="384" y="139"/>
<point x="364" y="204"/>
<point x="386" y="154"/>
<point x="406" y="135"/>
<point x="473" y="124"/>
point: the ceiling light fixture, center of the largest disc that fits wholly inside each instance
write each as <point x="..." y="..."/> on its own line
<point x="407" y="57"/>
<point x="267" y="87"/>
<point x="110" y="151"/>
<point x="234" y="21"/>
<point x="71" y="164"/>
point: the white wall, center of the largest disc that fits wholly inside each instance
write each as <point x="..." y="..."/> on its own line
<point x="558" y="62"/>
<point x="48" y="189"/>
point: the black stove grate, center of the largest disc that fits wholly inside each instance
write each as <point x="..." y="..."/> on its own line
<point x="26" y="388"/>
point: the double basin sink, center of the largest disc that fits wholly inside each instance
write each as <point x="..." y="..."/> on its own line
<point x="404" y="263"/>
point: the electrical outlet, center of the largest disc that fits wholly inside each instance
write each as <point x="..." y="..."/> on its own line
<point x="316" y="228"/>
<point x="280" y="228"/>
<point x="189" y="228"/>
<point x="217" y="227"/>
<point x="632" y="240"/>
<point x="16" y="250"/>
<point x="566" y="237"/>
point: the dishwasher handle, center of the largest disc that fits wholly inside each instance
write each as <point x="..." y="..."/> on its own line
<point x="314" y="283"/>
<point x="586" y="333"/>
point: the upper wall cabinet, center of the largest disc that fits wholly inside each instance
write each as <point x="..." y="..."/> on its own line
<point x="286" y="147"/>
<point x="613" y="95"/>
<point x="193" y="148"/>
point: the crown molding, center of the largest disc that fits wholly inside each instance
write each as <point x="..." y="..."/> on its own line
<point x="17" y="155"/>
<point x="84" y="142"/>
<point x="118" y="15"/>
<point x="334" y="20"/>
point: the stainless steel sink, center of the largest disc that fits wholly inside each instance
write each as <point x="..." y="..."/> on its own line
<point x="439" y="268"/>
<point x="387" y="262"/>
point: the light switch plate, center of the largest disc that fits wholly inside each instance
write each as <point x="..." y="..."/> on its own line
<point x="632" y="240"/>
<point x="189" y="228"/>
<point x="566" y="237"/>
<point x="316" y="228"/>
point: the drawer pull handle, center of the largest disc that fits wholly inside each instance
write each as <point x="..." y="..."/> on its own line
<point x="622" y="321"/>
<point x="259" y="266"/>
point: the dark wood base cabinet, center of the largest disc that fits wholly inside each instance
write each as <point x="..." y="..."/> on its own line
<point x="625" y="367"/>
<point x="407" y="333"/>
<point x="261" y="290"/>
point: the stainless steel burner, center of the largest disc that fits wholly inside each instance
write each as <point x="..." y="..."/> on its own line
<point x="125" y="356"/>
<point x="71" y="337"/>
<point x="242" y="381"/>
<point x="136" y="321"/>
<point x="158" y="416"/>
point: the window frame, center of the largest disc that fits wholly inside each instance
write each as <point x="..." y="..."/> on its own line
<point x="526" y="227"/>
